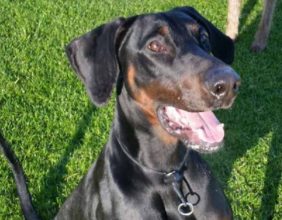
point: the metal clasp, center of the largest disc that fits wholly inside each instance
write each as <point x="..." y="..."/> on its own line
<point x="186" y="205"/>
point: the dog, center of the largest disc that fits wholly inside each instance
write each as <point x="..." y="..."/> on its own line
<point x="261" y="36"/>
<point x="170" y="70"/>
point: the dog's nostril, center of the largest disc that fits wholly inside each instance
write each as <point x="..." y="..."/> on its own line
<point x="219" y="88"/>
<point x="222" y="82"/>
<point x="236" y="86"/>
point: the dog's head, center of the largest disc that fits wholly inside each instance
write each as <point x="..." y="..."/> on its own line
<point x="173" y="66"/>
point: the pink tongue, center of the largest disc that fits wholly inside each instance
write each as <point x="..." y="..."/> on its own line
<point x="213" y="129"/>
<point x="204" y="124"/>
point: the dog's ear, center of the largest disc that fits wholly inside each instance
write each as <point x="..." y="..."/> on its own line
<point x="222" y="46"/>
<point x="93" y="57"/>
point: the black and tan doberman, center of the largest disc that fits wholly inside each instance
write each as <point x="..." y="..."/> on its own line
<point x="171" y="71"/>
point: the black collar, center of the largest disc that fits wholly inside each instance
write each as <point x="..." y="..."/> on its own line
<point x="175" y="178"/>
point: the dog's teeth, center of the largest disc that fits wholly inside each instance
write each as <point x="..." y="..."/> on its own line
<point x="170" y="130"/>
<point x="183" y="121"/>
<point x="178" y="131"/>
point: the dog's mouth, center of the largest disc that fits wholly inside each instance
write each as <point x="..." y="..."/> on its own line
<point x="199" y="130"/>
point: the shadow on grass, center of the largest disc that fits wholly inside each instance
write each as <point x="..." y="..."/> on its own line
<point x="272" y="176"/>
<point x="55" y="178"/>
<point x="255" y="115"/>
<point x="274" y="166"/>
<point x="246" y="10"/>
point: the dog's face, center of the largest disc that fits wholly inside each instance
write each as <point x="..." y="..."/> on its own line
<point x="173" y="68"/>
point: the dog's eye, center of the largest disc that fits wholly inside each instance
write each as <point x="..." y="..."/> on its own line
<point x="157" y="47"/>
<point x="204" y="41"/>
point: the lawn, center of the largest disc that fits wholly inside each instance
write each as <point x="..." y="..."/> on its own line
<point x="57" y="133"/>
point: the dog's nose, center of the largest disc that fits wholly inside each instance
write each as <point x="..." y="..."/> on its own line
<point x="222" y="82"/>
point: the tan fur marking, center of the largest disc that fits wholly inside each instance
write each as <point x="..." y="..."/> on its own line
<point x="194" y="27"/>
<point x="145" y="100"/>
<point x="142" y="99"/>
<point x="164" y="30"/>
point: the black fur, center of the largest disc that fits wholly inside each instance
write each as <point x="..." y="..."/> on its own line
<point x="222" y="46"/>
<point x="93" y="57"/>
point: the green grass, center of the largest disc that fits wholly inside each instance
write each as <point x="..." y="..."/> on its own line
<point x="57" y="134"/>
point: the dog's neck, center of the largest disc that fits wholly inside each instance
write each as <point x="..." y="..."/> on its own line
<point x="138" y="137"/>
